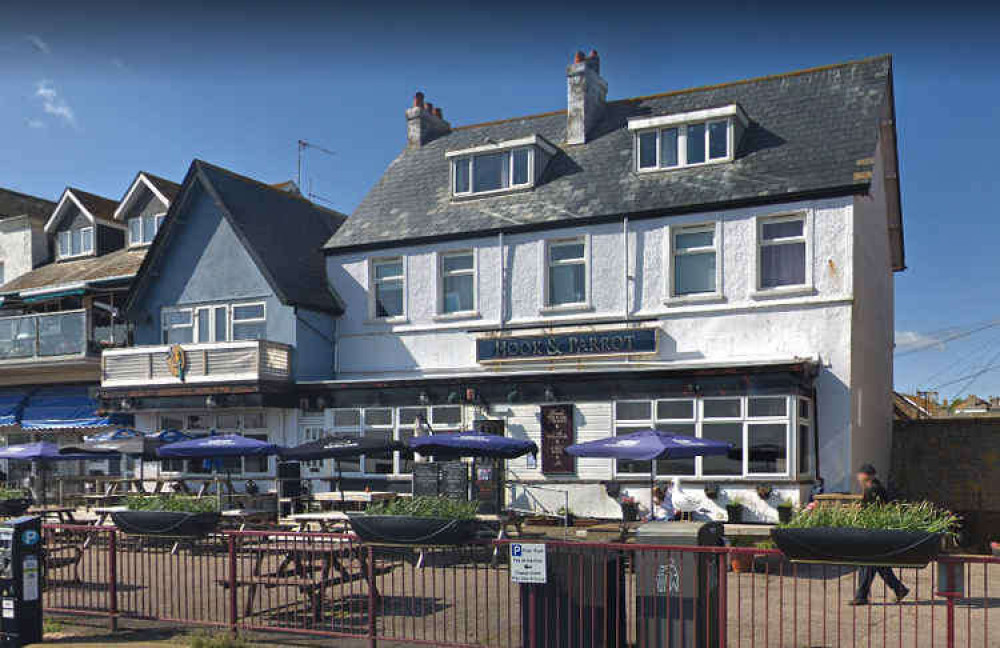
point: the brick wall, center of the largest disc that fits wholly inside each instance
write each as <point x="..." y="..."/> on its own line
<point x="954" y="463"/>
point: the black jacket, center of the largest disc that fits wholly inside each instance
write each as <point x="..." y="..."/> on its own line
<point x="875" y="493"/>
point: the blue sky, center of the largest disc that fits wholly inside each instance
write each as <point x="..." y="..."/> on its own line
<point x="90" y="93"/>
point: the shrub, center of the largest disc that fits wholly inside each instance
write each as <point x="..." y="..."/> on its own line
<point x="177" y="503"/>
<point x="12" y="493"/>
<point x="424" y="506"/>
<point x="900" y="516"/>
<point x="204" y="639"/>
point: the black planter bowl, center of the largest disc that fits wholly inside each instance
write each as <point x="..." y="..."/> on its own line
<point x="166" y="523"/>
<point x="407" y="529"/>
<point x="846" y="546"/>
<point x="14" y="507"/>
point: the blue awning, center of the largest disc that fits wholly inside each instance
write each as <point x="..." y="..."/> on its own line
<point x="11" y="404"/>
<point x="54" y="408"/>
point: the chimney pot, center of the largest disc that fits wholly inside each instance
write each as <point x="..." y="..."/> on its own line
<point x="593" y="54"/>
<point x="429" y="107"/>
<point x="578" y="57"/>
<point x="418" y="100"/>
<point x="424" y="122"/>
<point x="437" y="113"/>
<point x="587" y="95"/>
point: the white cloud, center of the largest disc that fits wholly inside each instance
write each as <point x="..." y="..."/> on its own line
<point x="118" y="63"/>
<point x="53" y="104"/>
<point x="912" y="341"/>
<point x="39" y="44"/>
<point x="34" y="123"/>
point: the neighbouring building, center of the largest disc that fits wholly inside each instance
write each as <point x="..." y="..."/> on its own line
<point x="715" y="261"/>
<point x="231" y="307"/>
<point x="23" y="243"/>
<point x="56" y="319"/>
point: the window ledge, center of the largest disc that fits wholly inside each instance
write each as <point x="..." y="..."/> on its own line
<point x="702" y="298"/>
<point x="74" y="257"/>
<point x="644" y="171"/>
<point x="566" y="308"/>
<point x="387" y="321"/>
<point x="783" y="291"/>
<point x="492" y="193"/>
<point x="460" y="315"/>
<point x="138" y="246"/>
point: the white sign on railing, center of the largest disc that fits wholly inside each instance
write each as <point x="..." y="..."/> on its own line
<point x="527" y="563"/>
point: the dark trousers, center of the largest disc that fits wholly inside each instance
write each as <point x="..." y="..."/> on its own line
<point x="867" y="574"/>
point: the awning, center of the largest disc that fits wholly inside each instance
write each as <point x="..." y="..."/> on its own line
<point x="33" y="299"/>
<point x="11" y="404"/>
<point x="54" y="408"/>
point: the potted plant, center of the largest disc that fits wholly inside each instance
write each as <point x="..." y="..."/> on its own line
<point x="895" y="533"/>
<point x="630" y="510"/>
<point x="741" y="561"/>
<point x="764" y="491"/>
<point x="567" y="515"/>
<point x="14" y="502"/>
<point x="734" y="510"/>
<point x="995" y="548"/>
<point x="418" y="520"/>
<point x="785" y="511"/>
<point x="711" y="491"/>
<point x="168" y="515"/>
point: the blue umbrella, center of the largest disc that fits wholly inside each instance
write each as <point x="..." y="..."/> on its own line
<point x="648" y="445"/>
<point x="471" y="444"/>
<point x="216" y="446"/>
<point x="45" y="451"/>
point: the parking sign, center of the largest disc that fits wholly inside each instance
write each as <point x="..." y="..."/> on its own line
<point x="527" y="563"/>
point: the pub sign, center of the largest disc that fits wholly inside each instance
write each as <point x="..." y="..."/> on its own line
<point x="558" y="433"/>
<point x="566" y="345"/>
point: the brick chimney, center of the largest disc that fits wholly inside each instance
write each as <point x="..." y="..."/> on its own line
<point x="424" y="122"/>
<point x="587" y="95"/>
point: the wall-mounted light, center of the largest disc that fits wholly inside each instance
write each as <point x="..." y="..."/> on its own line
<point x="424" y="398"/>
<point x="210" y="401"/>
<point x="550" y="394"/>
<point x="513" y="395"/>
<point x="125" y="404"/>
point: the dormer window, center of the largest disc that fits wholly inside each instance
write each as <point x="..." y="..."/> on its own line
<point x="142" y="229"/>
<point x="687" y="139"/>
<point x="498" y="167"/>
<point x="76" y="242"/>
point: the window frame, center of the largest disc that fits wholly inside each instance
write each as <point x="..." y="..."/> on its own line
<point x="373" y="283"/>
<point x="508" y="154"/>
<point x="806" y="238"/>
<point x="158" y="219"/>
<point x="546" y="253"/>
<point x="85" y="234"/>
<point x="682" y="144"/>
<point x="441" y="313"/>
<point x="209" y="422"/>
<point x="671" y="252"/>
<point x="213" y="310"/>
<point x="231" y="319"/>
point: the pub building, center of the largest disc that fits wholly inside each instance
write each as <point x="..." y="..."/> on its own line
<point x="715" y="262"/>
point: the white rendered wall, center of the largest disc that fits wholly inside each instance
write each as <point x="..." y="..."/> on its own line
<point x="22" y="246"/>
<point x="740" y="326"/>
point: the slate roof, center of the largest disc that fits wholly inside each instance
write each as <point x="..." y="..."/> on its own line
<point x="13" y="203"/>
<point x="808" y="130"/>
<point x="100" y="207"/>
<point x="282" y="231"/>
<point x="118" y="264"/>
<point x="166" y="187"/>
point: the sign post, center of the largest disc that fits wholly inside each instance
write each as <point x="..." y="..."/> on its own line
<point x="527" y="563"/>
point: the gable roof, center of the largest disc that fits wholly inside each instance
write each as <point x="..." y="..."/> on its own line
<point x="281" y="231"/>
<point x="120" y="264"/>
<point x="97" y="208"/>
<point x="14" y="204"/>
<point x="164" y="190"/>
<point x="810" y="134"/>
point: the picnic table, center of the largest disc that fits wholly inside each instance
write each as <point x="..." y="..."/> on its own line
<point x="60" y="514"/>
<point x="351" y="499"/>
<point x="242" y="518"/>
<point x="327" y="521"/>
<point x="298" y="565"/>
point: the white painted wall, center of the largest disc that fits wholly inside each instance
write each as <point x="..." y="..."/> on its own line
<point x="23" y="246"/>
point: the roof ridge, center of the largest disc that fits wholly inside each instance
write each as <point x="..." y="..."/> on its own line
<point x="672" y="93"/>
<point x="90" y="193"/>
<point x="264" y="185"/>
<point x="25" y="195"/>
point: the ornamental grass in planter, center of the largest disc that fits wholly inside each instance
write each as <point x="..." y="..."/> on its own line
<point x="14" y="502"/>
<point x="168" y="515"/>
<point x="418" y="520"/>
<point x="894" y="533"/>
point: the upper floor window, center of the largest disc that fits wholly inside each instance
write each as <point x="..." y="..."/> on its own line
<point x="142" y="229"/>
<point x="488" y="172"/>
<point x="693" y="261"/>
<point x="688" y="139"/>
<point x="76" y="242"/>
<point x="566" y="272"/>
<point x="388" y="287"/>
<point x="782" y="252"/>
<point x="498" y="166"/>
<point x="458" y="282"/>
<point x="249" y="322"/>
<point x="211" y="323"/>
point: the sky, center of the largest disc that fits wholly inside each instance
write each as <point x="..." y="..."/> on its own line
<point x="91" y="93"/>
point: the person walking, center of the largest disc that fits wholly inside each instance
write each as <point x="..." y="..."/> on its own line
<point x="874" y="493"/>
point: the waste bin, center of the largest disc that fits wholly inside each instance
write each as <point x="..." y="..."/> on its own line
<point x="582" y="603"/>
<point x="677" y="602"/>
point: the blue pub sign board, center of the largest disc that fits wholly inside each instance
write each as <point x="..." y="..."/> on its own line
<point x="565" y="345"/>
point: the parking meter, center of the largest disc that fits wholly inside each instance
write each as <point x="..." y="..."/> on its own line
<point x="20" y="581"/>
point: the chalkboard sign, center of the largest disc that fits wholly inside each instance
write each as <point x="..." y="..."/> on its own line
<point x="557" y="435"/>
<point x="455" y="480"/>
<point x="425" y="479"/>
<point x="487" y="486"/>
